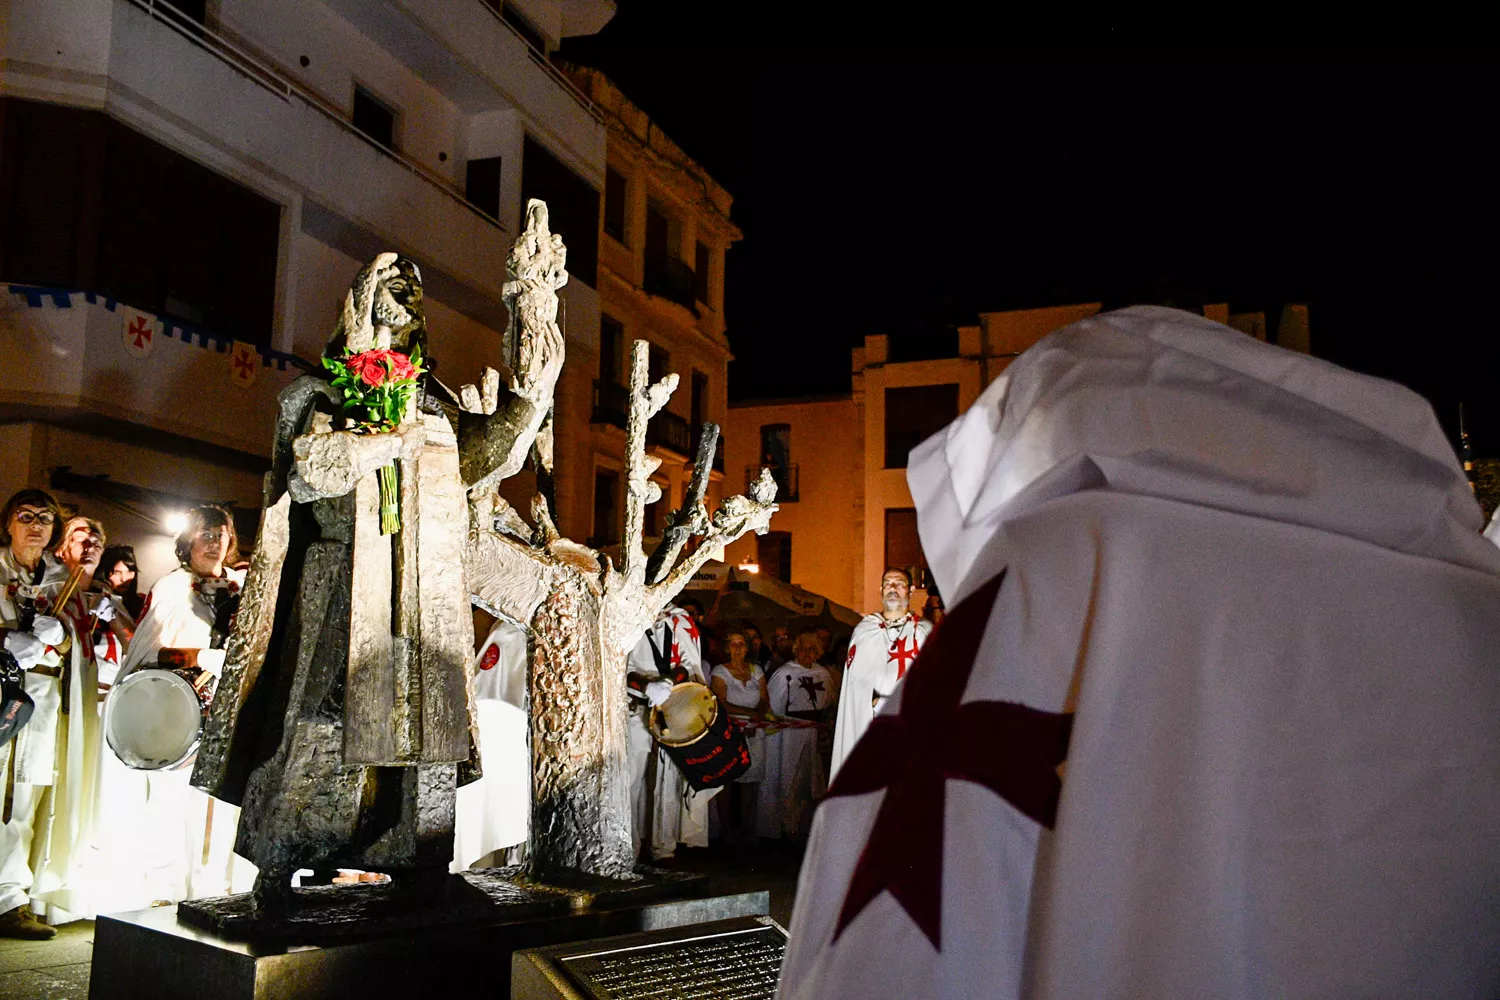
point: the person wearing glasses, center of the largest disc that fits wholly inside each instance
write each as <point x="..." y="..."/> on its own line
<point x="53" y="748"/>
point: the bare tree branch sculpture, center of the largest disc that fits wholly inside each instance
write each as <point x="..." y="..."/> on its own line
<point x="584" y="615"/>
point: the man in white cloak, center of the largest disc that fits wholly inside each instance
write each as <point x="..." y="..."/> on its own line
<point x="494" y="813"/>
<point x="1243" y="595"/>
<point x="668" y="811"/>
<point x="882" y="647"/>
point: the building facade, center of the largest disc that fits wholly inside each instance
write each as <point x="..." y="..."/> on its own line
<point x="846" y="510"/>
<point x="663" y="235"/>
<point x="187" y="191"/>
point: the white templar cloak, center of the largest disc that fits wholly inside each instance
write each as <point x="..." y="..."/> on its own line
<point x="495" y="812"/>
<point x="880" y="652"/>
<point x="678" y="814"/>
<point x="1253" y="586"/>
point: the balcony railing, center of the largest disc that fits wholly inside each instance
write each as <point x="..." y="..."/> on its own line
<point x="786" y="481"/>
<point x="666" y="429"/>
<point x="673" y="280"/>
<point x="263" y="73"/>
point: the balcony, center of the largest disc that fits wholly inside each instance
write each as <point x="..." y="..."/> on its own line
<point x="666" y="429"/>
<point x="672" y="280"/>
<point x="786" y="481"/>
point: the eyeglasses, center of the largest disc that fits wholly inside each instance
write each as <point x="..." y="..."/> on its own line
<point x="44" y="517"/>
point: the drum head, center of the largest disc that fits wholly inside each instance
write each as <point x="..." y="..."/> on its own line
<point x="153" y="720"/>
<point x="685" y="716"/>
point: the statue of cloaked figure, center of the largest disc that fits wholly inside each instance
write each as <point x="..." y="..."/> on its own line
<point x="342" y="724"/>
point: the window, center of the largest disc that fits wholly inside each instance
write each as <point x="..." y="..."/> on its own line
<point x="657" y="363"/>
<point x="614" y="204"/>
<point x="572" y="207"/>
<point x="699" y="402"/>
<point x="606" y="508"/>
<point x="611" y="348"/>
<point x="903" y="546"/>
<point x="776" y="455"/>
<point x="700" y="274"/>
<point x="482" y="185"/>
<point x="773" y="551"/>
<point x="374" y="118"/>
<point x="90" y="203"/>
<point x="912" y="415"/>
<point x="656" y="513"/>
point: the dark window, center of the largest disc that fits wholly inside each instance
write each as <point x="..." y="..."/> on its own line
<point x="699" y="401"/>
<point x="656" y="231"/>
<point x="776" y="455"/>
<point x="572" y="207"/>
<point x="912" y="415"/>
<point x="700" y="274"/>
<point x="656" y="513"/>
<point x="374" y="118"/>
<point x="657" y="362"/>
<point x="614" y="203"/>
<point x="46" y="181"/>
<point x="773" y="551"/>
<point x="524" y="28"/>
<point x="135" y="221"/>
<point x="611" y="346"/>
<point x="482" y="185"/>
<point x="606" y="507"/>
<point x="903" y="546"/>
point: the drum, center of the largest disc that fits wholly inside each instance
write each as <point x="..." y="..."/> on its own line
<point x="153" y="720"/>
<point x="700" y="737"/>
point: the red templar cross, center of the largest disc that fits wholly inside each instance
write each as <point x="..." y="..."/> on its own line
<point x="902" y="652"/>
<point x="244" y="365"/>
<point x="140" y="331"/>
<point x="690" y="626"/>
<point x="1011" y="749"/>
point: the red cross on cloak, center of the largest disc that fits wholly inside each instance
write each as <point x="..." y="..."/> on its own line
<point x="1009" y="748"/>
<point x="902" y="653"/>
<point x="243" y="366"/>
<point x="676" y="655"/>
<point x="690" y="627"/>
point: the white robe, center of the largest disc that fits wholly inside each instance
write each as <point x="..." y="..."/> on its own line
<point x="55" y="772"/>
<point x="1257" y="583"/>
<point x="680" y="815"/>
<point x="880" y="653"/>
<point x="158" y="837"/>
<point x="494" y="812"/>
<point x="793" y="771"/>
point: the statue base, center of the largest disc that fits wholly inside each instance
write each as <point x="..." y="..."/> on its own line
<point x="451" y="940"/>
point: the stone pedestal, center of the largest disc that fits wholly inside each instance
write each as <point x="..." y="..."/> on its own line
<point x="456" y="947"/>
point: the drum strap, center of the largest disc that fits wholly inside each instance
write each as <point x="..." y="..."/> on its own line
<point x="10" y="784"/>
<point x="663" y="655"/>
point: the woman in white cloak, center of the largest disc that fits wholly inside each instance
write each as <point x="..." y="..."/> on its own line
<point x="794" y="776"/>
<point x="160" y="840"/>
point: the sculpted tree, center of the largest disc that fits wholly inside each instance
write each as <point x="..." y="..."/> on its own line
<point x="584" y="615"/>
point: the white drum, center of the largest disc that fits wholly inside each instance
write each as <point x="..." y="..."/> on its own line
<point x="153" y="720"/>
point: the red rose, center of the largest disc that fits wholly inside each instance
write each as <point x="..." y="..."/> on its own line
<point x="374" y="367"/>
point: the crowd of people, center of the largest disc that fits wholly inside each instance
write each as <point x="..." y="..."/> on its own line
<point x="801" y="701"/>
<point x="82" y="833"/>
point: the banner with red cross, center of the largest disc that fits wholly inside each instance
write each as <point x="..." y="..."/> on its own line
<point x="138" y="330"/>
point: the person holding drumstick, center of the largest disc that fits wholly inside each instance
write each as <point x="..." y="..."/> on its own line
<point x="53" y="748"/>
<point x="740" y="687"/>
<point x="185" y="839"/>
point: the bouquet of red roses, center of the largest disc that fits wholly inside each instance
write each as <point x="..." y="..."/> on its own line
<point x="378" y="386"/>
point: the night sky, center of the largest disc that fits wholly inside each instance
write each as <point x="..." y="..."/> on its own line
<point x="900" y="173"/>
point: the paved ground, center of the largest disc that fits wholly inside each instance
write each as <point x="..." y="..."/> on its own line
<point x="59" y="969"/>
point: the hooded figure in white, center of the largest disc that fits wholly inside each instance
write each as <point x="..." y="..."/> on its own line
<point x="1216" y="710"/>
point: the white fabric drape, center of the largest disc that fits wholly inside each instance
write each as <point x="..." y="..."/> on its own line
<point x="1258" y="582"/>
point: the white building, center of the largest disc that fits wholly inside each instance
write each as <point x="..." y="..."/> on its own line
<point x="186" y="193"/>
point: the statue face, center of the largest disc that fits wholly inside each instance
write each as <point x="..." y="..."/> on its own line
<point x="397" y="306"/>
